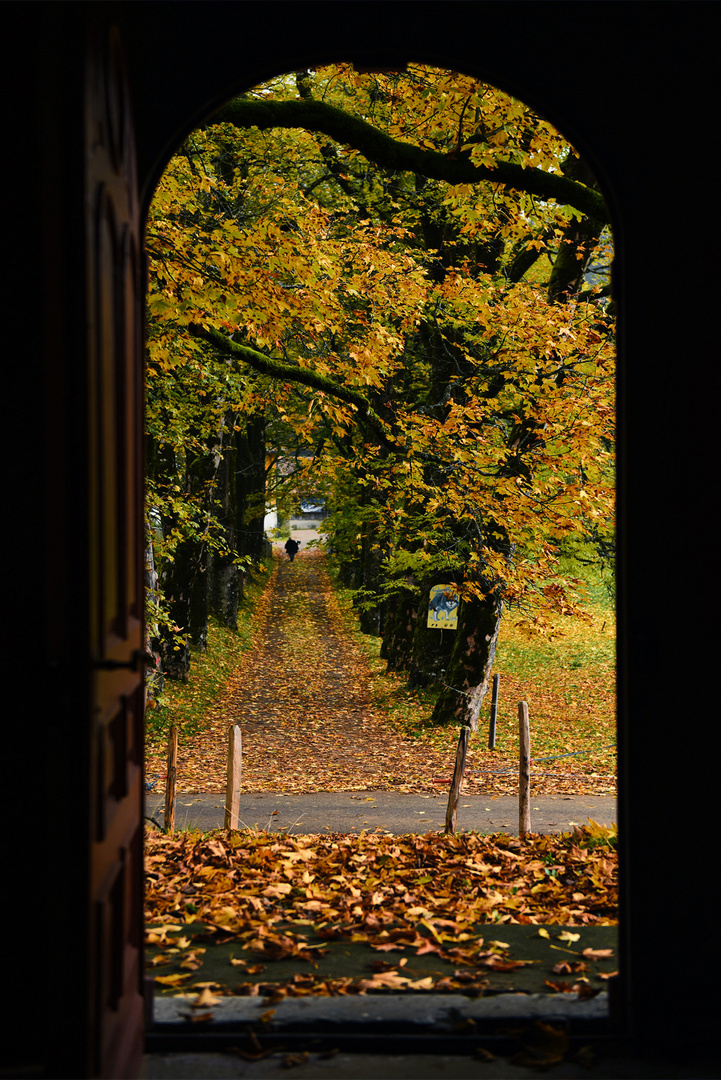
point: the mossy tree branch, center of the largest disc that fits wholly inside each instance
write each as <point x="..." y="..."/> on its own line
<point x="278" y="369"/>
<point x="389" y="153"/>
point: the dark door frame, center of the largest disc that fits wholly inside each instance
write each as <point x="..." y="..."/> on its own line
<point x="633" y="86"/>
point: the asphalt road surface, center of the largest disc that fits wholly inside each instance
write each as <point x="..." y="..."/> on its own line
<point x="394" y="812"/>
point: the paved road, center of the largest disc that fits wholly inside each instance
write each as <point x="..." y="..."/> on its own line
<point x="350" y="812"/>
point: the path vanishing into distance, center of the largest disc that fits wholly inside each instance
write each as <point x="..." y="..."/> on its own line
<point x="319" y="755"/>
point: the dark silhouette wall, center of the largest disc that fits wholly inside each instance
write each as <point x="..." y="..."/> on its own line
<point x="634" y="86"/>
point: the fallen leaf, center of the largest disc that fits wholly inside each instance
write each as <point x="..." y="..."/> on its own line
<point x="498" y="964"/>
<point x="199" y="1018"/>
<point x="205" y="998"/>
<point x="568" y="967"/>
<point x="279" y="890"/>
<point x="290" y="1061"/>
<point x="427" y="894"/>
<point x="192" y="961"/>
<point x="170" y="980"/>
<point x="483" y="1054"/>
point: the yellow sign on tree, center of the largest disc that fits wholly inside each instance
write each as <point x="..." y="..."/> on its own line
<point x="443" y="608"/>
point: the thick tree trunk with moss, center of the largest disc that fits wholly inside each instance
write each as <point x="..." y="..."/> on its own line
<point x="224" y="581"/>
<point x="569" y="267"/>
<point x="199" y="602"/>
<point x="400" y="624"/>
<point x="469" y="671"/>
<point x="370" y="618"/>
<point x="224" y="586"/>
<point x="430" y="649"/>
<point x="250" y="487"/>
<point x="175" y="580"/>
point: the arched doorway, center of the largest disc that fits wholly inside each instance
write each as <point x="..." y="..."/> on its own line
<point x="242" y="176"/>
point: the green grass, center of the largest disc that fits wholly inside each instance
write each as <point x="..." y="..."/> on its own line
<point x="578" y="647"/>
<point x="568" y="680"/>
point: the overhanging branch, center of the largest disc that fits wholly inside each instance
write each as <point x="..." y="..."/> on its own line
<point x="394" y="154"/>
<point x="278" y="369"/>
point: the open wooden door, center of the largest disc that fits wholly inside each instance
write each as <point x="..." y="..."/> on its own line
<point x="113" y="261"/>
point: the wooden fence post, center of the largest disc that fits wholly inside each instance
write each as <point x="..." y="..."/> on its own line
<point x="494" y="711"/>
<point x="171" y="779"/>
<point x="232" y="791"/>
<point x="455" y="792"/>
<point x="524" y="770"/>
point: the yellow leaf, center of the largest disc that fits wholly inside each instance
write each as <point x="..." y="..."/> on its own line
<point x="205" y="998"/>
<point x="281" y="889"/>
<point x="170" y="980"/>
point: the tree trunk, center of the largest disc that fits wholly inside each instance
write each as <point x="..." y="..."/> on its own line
<point x="397" y="647"/>
<point x="250" y="488"/>
<point x="570" y="264"/>
<point x="224" y="589"/>
<point x="176" y="581"/>
<point x="224" y="578"/>
<point x="154" y="677"/>
<point x="431" y="650"/>
<point x="370" y="618"/>
<point x="199" y="601"/>
<point x="471" y="663"/>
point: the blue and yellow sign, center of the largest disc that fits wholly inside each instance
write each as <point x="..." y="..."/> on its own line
<point x="443" y="608"/>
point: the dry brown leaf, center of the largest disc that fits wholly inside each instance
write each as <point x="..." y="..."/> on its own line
<point x="205" y="998"/>
<point x="290" y="1061"/>
<point x="597" y="954"/>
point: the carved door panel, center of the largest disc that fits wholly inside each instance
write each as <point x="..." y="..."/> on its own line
<point x="115" y="529"/>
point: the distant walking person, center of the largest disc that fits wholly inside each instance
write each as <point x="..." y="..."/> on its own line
<point x="291" y="546"/>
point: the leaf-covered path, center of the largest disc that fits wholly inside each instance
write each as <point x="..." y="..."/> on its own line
<point x="303" y="696"/>
<point x="303" y="700"/>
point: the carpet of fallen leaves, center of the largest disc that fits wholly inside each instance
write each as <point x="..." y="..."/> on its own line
<point x="311" y="712"/>
<point x="430" y="894"/>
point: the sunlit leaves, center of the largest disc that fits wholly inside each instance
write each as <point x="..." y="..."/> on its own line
<point x="495" y="406"/>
